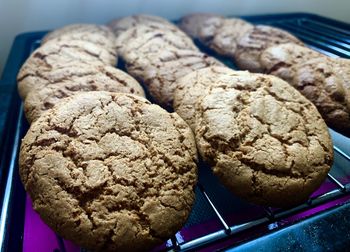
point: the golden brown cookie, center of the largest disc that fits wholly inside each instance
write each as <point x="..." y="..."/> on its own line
<point x="97" y="34"/>
<point x="142" y="36"/>
<point x="223" y="38"/>
<point x="120" y="25"/>
<point x="55" y="55"/>
<point x="158" y="57"/>
<point x="110" y="171"/>
<point x="193" y="23"/>
<point x="326" y="82"/>
<point x="342" y="67"/>
<point x="99" y="78"/>
<point x="190" y="87"/>
<point x="251" y="45"/>
<point x="160" y="70"/>
<point x="281" y="60"/>
<point x="265" y="141"/>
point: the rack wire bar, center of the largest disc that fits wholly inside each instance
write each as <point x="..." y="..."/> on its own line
<point x="320" y="24"/>
<point x="342" y="153"/>
<point x="4" y="215"/>
<point x="60" y="243"/>
<point x="311" y="40"/>
<point x="343" y="40"/>
<point x="203" y="240"/>
<point x="317" y="35"/>
<point x="223" y="222"/>
<point x="313" y="202"/>
<point x="174" y="242"/>
<point x="322" y="30"/>
<point x="221" y="234"/>
<point x="335" y="181"/>
<point x="327" y="53"/>
<point x="269" y="213"/>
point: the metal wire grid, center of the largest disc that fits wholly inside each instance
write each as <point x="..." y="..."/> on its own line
<point x="329" y="40"/>
<point x="270" y="215"/>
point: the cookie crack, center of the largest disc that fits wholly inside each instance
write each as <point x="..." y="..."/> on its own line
<point x="52" y="81"/>
<point x="277" y="66"/>
<point x="74" y="194"/>
<point x="262" y="168"/>
<point x="146" y="41"/>
<point x="43" y="58"/>
<point x="24" y="76"/>
<point x="115" y="78"/>
<point x="282" y="101"/>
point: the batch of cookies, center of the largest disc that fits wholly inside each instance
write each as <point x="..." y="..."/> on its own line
<point x="113" y="171"/>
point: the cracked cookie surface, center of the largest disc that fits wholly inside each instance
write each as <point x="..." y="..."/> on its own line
<point x="326" y="82"/>
<point x="251" y="45"/>
<point x="282" y="60"/>
<point x="95" y="78"/>
<point x="193" y="23"/>
<point x="157" y="57"/>
<point x="190" y="87"/>
<point x="223" y="38"/>
<point x="120" y="25"/>
<point x="152" y="37"/>
<point x="265" y="141"/>
<point x="160" y="70"/>
<point x="56" y="55"/>
<point x="97" y="34"/>
<point x="109" y="171"/>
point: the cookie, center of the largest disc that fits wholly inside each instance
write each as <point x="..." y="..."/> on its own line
<point x="190" y="87"/>
<point x="54" y="56"/>
<point x="265" y="141"/>
<point x="224" y="39"/>
<point x="281" y="60"/>
<point x="109" y="171"/>
<point x="102" y="78"/>
<point x="342" y="67"/>
<point x="192" y="23"/>
<point x="97" y="34"/>
<point x="159" y="71"/>
<point x="251" y="45"/>
<point x="120" y="25"/>
<point x="326" y="82"/>
<point x="152" y="35"/>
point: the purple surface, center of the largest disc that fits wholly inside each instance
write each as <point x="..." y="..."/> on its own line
<point x="38" y="236"/>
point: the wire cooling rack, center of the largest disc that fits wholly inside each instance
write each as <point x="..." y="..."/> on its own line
<point x="218" y="220"/>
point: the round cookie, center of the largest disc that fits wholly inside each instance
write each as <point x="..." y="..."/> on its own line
<point x="192" y="23"/>
<point x="144" y="36"/>
<point x="224" y="39"/>
<point x="251" y="45"/>
<point x="109" y="171"/>
<point x="326" y="82"/>
<point x="97" y="34"/>
<point x="54" y="56"/>
<point x="190" y="87"/>
<point x="102" y="78"/>
<point x="265" y="141"/>
<point x="120" y="25"/>
<point x="281" y="60"/>
<point x="160" y="70"/>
